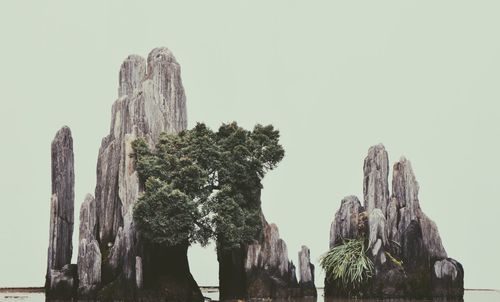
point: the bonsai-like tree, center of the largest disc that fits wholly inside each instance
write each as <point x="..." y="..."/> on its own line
<point x="201" y="185"/>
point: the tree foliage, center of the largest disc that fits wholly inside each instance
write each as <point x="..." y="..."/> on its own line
<point x="200" y="184"/>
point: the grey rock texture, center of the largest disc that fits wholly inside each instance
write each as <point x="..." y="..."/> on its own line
<point x="139" y="278"/>
<point x="377" y="235"/>
<point x="269" y="272"/>
<point x="346" y="221"/>
<point x="62" y="282"/>
<point x="89" y="254"/>
<point x="447" y="278"/>
<point x="377" y="228"/>
<point x="61" y="212"/>
<point x="403" y="243"/>
<point x="113" y="262"/>
<point x="375" y="186"/>
<point x="306" y="273"/>
<point x="149" y="103"/>
<point x="405" y="191"/>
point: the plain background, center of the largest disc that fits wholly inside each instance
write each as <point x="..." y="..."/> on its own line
<point x="335" y="77"/>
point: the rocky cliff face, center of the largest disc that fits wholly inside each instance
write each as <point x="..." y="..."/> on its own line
<point x="151" y="101"/>
<point x="60" y="277"/>
<point x="262" y="270"/>
<point x="89" y="254"/>
<point x="113" y="261"/>
<point x="403" y="242"/>
<point x="306" y="271"/>
<point x="269" y="272"/>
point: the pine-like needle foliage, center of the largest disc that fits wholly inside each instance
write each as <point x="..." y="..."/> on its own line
<point x="347" y="264"/>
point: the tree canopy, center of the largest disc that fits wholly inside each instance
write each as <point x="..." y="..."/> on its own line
<point x="201" y="185"/>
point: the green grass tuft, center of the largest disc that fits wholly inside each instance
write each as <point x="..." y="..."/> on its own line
<point x="347" y="264"/>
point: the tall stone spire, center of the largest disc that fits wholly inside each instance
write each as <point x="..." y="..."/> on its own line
<point x="151" y="100"/>
<point x="375" y="186"/>
<point x="61" y="209"/>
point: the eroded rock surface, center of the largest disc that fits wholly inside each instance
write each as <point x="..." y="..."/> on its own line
<point x="112" y="260"/>
<point x="405" y="191"/>
<point x="89" y="254"/>
<point x="403" y="243"/>
<point x="346" y="222"/>
<point x="447" y="278"/>
<point x="376" y="171"/>
<point x="269" y="272"/>
<point x="61" y="216"/>
<point x="306" y="270"/>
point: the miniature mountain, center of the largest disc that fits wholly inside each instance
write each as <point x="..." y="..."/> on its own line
<point x="402" y="243"/>
<point x="114" y="260"/>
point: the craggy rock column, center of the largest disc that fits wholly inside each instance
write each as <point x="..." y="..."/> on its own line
<point x="375" y="186"/>
<point x="261" y="270"/>
<point x="151" y="100"/>
<point x="306" y="269"/>
<point x="348" y="223"/>
<point x="60" y="280"/>
<point x="89" y="255"/>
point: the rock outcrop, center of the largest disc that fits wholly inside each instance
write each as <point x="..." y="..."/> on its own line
<point x="113" y="260"/>
<point x="151" y="101"/>
<point x="376" y="170"/>
<point x="306" y="270"/>
<point x="403" y="243"/>
<point x="60" y="278"/>
<point x="89" y="254"/>
<point x="269" y="272"/>
<point x="346" y="221"/>
<point x="262" y="270"/>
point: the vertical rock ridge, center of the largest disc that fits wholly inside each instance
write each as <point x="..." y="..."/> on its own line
<point x="405" y="191"/>
<point x="269" y="272"/>
<point x="89" y="254"/>
<point x="376" y="172"/>
<point x="132" y="73"/>
<point x="151" y="100"/>
<point x="306" y="269"/>
<point x="60" y="274"/>
<point x="346" y="222"/>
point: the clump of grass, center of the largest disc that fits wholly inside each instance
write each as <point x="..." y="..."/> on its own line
<point x="347" y="264"/>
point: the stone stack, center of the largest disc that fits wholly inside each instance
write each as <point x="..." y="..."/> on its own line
<point x="404" y="244"/>
<point x="60" y="280"/>
<point x="306" y="271"/>
<point x="269" y="272"/>
<point x="151" y="100"/>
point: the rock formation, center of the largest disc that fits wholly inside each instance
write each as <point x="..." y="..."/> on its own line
<point x="346" y="222"/>
<point x="376" y="170"/>
<point x="60" y="279"/>
<point x="113" y="261"/>
<point x="306" y="270"/>
<point x="403" y="243"/>
<point x="89" y="254"/>
<point x="262" y="270"/>
<point x="151" y="101"/>
<point x="269" y="273"/>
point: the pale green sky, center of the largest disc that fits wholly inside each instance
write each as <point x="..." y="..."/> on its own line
<point x="335" y="77"/>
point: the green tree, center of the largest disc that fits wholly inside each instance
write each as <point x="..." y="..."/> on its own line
<point x="201" y="185"/>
